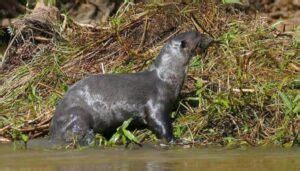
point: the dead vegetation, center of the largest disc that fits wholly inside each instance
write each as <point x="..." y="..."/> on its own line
<point x="33" y="32"/>
<point x="245" y="91"/>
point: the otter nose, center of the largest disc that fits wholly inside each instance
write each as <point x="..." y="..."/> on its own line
<point x="205" y="42"/>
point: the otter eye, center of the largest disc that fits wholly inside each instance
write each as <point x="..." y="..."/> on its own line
<point x="183" y="44"/>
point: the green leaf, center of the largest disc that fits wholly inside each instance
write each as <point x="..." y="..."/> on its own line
<point x="24" y="137"/>
<point x="64" y="87"/>
<point x="286" y="101"/>
<point x="126" y="123"/>
<point x="273" y="26"/>
<point x="114" y="138"/>
<point x="124" y="139"/>
<point x="297" y="98"/>
<point x="222" y="102"/>
<point x="297" y="108"/>
<point x="130" y="136"/>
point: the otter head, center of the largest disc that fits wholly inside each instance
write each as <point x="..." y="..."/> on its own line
<point x="180" y="49"/>
<point x="171" y="64"/>
<point x="191" y="43"/>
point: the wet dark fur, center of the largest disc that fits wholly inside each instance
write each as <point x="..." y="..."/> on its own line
<point x="101" y="103"/>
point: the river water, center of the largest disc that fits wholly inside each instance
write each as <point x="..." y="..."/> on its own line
<point x="149" y="159"/>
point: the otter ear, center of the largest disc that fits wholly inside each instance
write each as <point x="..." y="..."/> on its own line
<point x="183" y="44"/>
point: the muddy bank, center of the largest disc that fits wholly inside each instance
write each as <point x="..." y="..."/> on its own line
<point x="31" y="34"/>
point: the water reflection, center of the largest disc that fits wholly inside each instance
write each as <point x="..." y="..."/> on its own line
<point x="152" y="159"/>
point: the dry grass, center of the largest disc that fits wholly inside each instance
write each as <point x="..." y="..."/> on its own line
<point x="246" y="91"/>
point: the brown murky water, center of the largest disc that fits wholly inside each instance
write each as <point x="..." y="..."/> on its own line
<point x="149" y="159"/>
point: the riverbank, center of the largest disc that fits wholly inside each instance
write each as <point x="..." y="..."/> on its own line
<point x="243" y="92"/>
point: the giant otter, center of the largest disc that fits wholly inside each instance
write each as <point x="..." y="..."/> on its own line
<point x="101" y="103"/>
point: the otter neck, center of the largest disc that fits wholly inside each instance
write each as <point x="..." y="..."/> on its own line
<point x="171" y="72"/>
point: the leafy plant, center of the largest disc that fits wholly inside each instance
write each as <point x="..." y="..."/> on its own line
<point x="99" y="140"/>
<point x="25" y="139"/>
<point x="292" y="106"/>
<point x="123" y="134"/>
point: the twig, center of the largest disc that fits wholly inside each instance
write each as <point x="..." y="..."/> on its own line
<point x="102" y="67"/>
<point x="86" y="25"/>
<point x="41" y="30"/>
<point x="198" y="25"/>
<point x="144" y="35"/>
<point x="234" y="122"/>
<point x="8" y="48"/>
<point x="294" y="66"/>
<point x="64" y="24"/>
<point x="39" y="134"/>
<point x="45" y="121"/>
<point x="5" y="128"/>
<point x="4" y="140"/>
<point x="42" y="39"/>
<point x="34" y="120"/>
<point x="166" y="39"/>
<point x="39" y="128"/>
<point x="244" y="90"/>
<point x="44" y="85"/>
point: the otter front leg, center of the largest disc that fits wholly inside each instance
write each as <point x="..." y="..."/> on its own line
<point x="73" y="124"/>
<point x="159" y="122"/>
